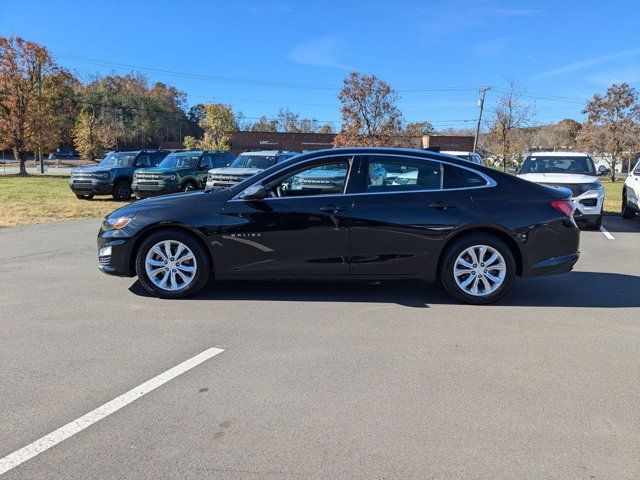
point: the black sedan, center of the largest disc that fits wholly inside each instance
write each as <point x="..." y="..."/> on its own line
<point x="471" y="227"/>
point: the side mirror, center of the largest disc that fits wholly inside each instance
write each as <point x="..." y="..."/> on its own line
<point x="254" y="192"/>
<point x="138" y="165"/>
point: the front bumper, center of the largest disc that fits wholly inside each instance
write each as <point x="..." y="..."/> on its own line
<point x="91" y="186"/>
<point x="115" y="255"/>
<point x="142" y="190"/>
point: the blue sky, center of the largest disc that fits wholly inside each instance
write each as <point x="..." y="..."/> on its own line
<point x="436" y="53"/>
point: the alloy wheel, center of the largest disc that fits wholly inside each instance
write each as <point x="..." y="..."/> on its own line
<point x="170" y="265"/>
<point x="479" y="270"/>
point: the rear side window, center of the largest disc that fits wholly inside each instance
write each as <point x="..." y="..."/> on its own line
<point x="398" y="174"/>
<point x="143" y="161"/>
<point x="455" y="177"/>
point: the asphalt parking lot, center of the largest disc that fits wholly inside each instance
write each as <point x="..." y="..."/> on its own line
<point x="317" y="380"/>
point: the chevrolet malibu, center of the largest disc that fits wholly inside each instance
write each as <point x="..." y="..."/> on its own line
<point x="471" y="227"/>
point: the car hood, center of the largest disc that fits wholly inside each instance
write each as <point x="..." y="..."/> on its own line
<point x="235" y="171"/>
<point x="163" y="170"/>
<point x="561" y="178"/>
<point x="320" y="173"/>
<point x="91" y="169"/>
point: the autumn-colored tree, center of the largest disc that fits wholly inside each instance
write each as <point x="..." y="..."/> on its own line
<point x="218" y="122"/>
<point x="418" y="129"/>
<point x="370" y="114"/>
<point x="567" y="132"/>
<point x="510" y="114"/>
<point x="189" y="142"/>
<point x="91" y="137"/>
<point x="612" y="129"/>
<point x="326" y="128"/>
<point x="265" y="125"/>
<point x="36" y="98"/>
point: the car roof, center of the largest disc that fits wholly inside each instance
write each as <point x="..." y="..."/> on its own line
<point x="456" y="152"/>
<point x="558" y="154"/>
<point x="268" y="153"/>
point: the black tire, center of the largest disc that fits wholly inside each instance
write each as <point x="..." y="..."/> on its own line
<point x="84" y="197"/>
<point x="627" y="212"/>
<point x="202" y="262"/>
<point x="452" y="252"/>
<point x="122" y="191"/>
<point x="597" y="224"/>
<point x="189" y="187"/>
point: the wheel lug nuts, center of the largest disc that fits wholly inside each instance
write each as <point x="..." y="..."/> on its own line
<point x="485" y="270"/>
<point x="174" y="270"/>
<point x="475" y="265"/>
<point x="171" y="259"/>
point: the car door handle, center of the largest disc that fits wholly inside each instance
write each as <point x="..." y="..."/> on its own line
<point x="333" y="208"/>
<point x="442" y="205"/>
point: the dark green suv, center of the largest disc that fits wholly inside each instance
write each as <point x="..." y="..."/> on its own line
<point x="179" y="172"/>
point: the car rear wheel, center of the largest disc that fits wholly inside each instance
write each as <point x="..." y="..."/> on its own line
<point x="172" y="264"/>
<point x="478" y="269"/>
<point x="84" y="197"/>
<point x="627" y="212"/>
<point x="121" y="191"/>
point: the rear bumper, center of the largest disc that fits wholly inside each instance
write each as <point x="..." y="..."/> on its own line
<point x="554" y="266"/>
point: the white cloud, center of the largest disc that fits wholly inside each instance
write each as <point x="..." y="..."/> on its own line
<point x="321" y="52"/>
<point x="590" y="62"/>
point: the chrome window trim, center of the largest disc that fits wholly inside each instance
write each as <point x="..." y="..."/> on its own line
<point x="490" y="181"/>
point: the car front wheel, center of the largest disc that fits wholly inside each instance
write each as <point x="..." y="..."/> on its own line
<point x="478" y="269"/>
<point x="627" y="212"/>
<point x="188" y="187"/>
<point x="84" y="197"/>
<point x="172" y="264"/>
<point x="121" y="191"/>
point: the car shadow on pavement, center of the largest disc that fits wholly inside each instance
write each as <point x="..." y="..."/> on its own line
<point x="574" y="289"/>
<point x="617" y="224"/>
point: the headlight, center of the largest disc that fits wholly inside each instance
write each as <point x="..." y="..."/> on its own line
<point x="591" y="186"/>
<point x="170" y="177"/>
<point x="116" y="223"/>
<point x="102" y="175"/>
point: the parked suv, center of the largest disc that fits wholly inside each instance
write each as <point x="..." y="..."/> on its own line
<point x="179" y="172"/>
<point x="244" y="166"/>
<point x="631" y="193"/>
<point x="574" y="171"/>
<point x="113" y="175"/>
<point x="470" y="156"/>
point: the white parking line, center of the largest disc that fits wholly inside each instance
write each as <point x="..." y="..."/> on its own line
<point x="606" y="233"/>
<point x="25" y="453"/>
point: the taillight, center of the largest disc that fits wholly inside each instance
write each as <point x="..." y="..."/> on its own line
<point x="566" y="206"/>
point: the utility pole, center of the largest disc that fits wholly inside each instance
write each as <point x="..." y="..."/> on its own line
<point x="39" y="153"/>
<point x="483" y="91"/>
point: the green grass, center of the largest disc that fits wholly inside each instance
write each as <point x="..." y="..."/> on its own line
<point x="612" y="196"/>
<point x="44" y="199"/>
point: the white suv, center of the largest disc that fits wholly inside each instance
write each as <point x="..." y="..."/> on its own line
<point x="571" y="170"/>
<point x="469" y="156"/>
<point x="631" y="193"/>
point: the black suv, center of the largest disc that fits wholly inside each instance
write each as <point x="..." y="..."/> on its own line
<point x="113" y="175"/>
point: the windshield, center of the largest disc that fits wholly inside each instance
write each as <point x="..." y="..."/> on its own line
<point x="253" y="161"/>
<point x="120" y="159"/>
<point x="575" y="165"/>
<point x="180" y="160"/>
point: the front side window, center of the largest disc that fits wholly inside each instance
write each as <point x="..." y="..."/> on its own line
<point x="143" y="161"/>
<point x="207" y="162"/>
<point x="180" y="160"/>
<point x="637" y="169"/>
<point x="558" y="164"/>
<point x="327" y="178"/>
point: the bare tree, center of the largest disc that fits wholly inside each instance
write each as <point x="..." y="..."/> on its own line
<point x="510" y="114"/>
<point x="611" y="129"/>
